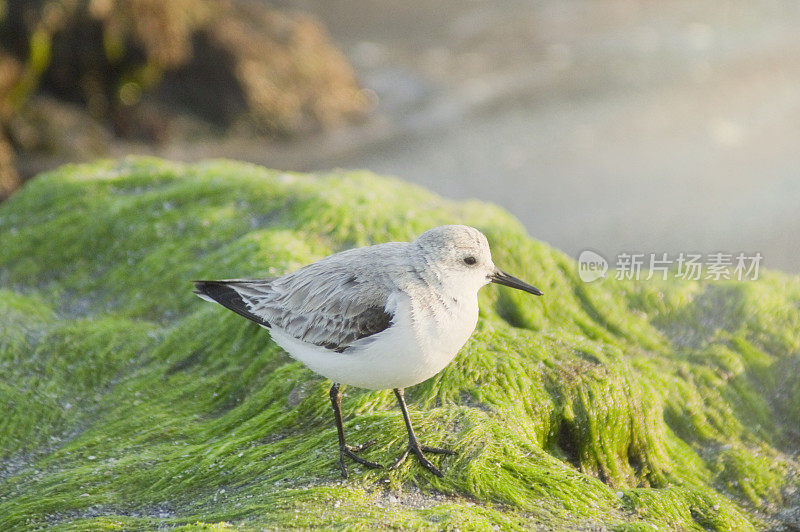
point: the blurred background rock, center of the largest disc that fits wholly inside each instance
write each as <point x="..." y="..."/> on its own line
<point x="613" y="125"/>
<point x="79" y="76"/>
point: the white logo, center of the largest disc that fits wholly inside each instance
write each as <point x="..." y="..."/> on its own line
<point x="591" y="266"/>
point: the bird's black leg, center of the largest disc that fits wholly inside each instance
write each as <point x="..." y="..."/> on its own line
<point x="413" y="445"/>
<point x="344" y="449"/>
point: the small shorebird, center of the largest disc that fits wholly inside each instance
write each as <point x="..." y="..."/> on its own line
<point x="385" y="316"/>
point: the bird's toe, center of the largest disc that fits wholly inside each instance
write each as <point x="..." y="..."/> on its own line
<point x="428" y="465"/>
<point x="358" y="448"/>
<point x="419" y="453"/>
<point x="345" y="451"/>
<point x="438" y="450"/>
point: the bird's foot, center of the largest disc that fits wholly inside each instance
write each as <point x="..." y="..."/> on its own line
<point x="350" y="452"/>
<point x="419" y="450"/>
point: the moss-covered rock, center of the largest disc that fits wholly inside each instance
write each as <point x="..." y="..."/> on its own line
<point x="128" y="403"/>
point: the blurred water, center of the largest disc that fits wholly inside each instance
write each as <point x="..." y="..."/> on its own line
<point x="620" y="126"/>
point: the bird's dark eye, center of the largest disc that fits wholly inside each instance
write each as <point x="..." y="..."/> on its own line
<point x="470" y="260"/>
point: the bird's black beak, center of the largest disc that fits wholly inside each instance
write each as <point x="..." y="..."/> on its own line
<point x="501" y="277"/>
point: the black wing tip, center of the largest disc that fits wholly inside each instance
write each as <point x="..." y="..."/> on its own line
<point x="202" y="283"/>
<point x="209" y="288"/>
<point x="213" y="289"/>
<point x="222" y="293"/>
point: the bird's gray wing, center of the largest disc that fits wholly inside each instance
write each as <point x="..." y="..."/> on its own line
<point x="331" y="305"/>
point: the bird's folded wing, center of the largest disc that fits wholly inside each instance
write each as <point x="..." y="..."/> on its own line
<point x="331" y="310"/>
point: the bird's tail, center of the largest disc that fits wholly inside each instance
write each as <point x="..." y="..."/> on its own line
<point x="229" y="296"/>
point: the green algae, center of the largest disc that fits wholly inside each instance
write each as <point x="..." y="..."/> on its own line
<point x="131" y="404"/>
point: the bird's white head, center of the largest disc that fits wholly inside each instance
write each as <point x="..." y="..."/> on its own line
<point x="462" y="256"/>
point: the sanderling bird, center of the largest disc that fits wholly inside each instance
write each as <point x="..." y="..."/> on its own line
<point x="384" y="316"/>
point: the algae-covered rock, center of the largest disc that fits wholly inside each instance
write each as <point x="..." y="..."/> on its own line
<point x="128" y="403"/>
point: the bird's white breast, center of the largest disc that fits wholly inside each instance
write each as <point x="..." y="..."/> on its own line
<point x="442" y="328"/>
<point x="425" y="335"/>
